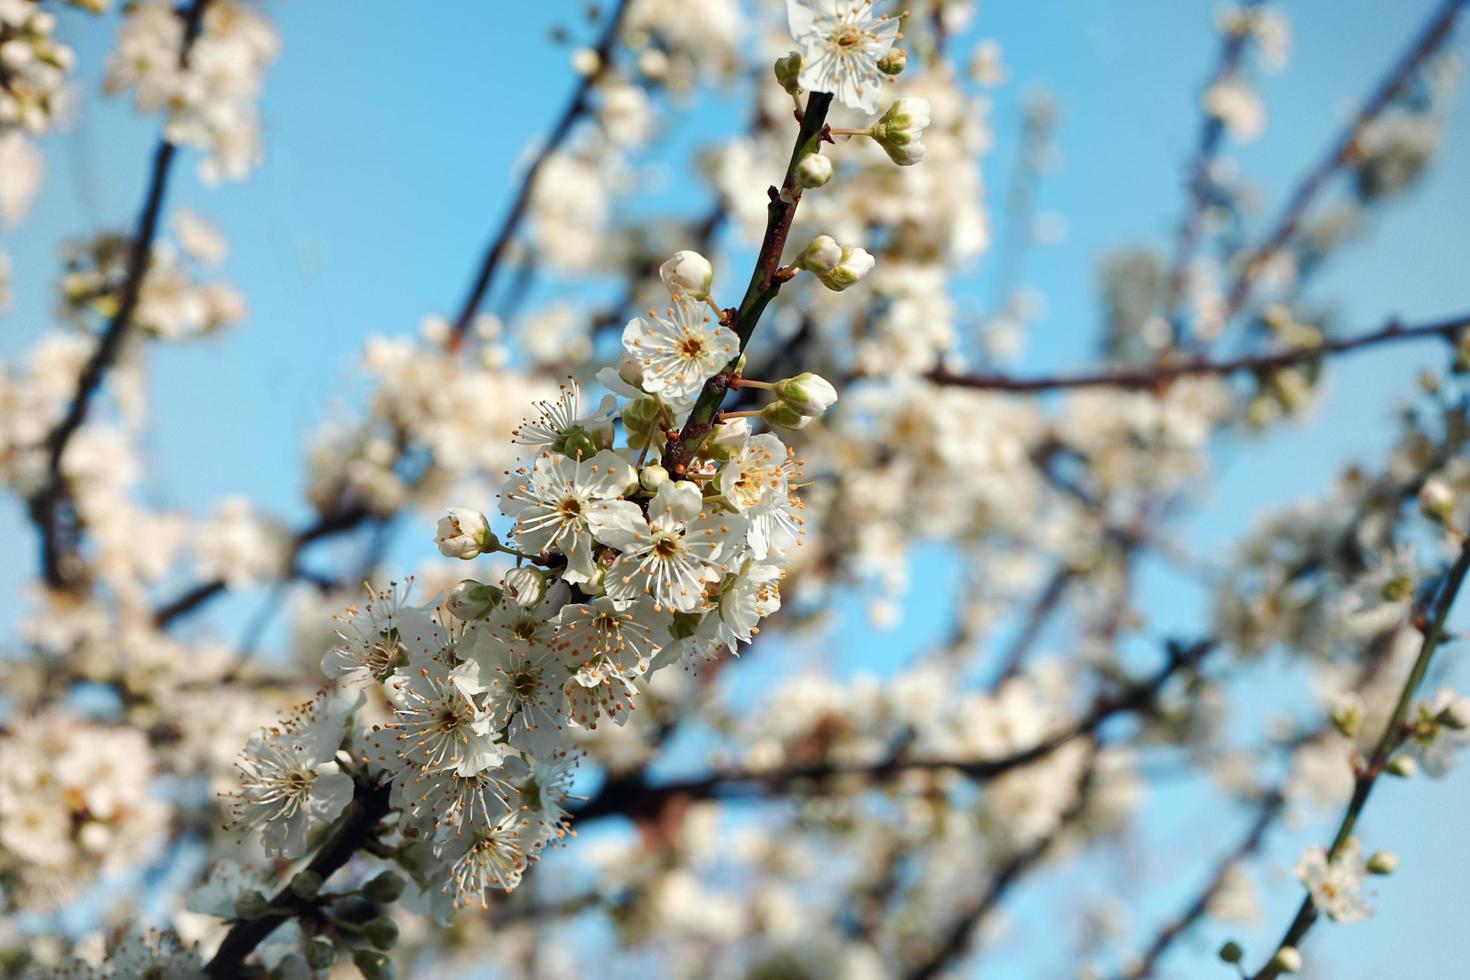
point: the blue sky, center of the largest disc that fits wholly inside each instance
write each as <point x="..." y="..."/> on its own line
<point x="394" y="135"/>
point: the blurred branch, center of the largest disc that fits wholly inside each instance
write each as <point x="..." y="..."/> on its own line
<point x="634" y="796"/>
<point x="1342" y="151"/>
<point x="1269" y="809"/>
<point x="50" y="507"/>
<point x="1160" y="375"/>
<point x="575" y="108"/>
<point x="957" y="938"/>
<point x="1197" y="185"/>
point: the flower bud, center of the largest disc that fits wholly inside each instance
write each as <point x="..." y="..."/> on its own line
<point x="814" y="170"/>
<point x="652" y="477"/>
<point x="837" y="266"/>
<point x="306" y="884"/>
<point x="788" y="67"/>
<point x="726" y="441"/>
<point x="893" y="62"/>
<point x="472" y="600"/>
<point x="251" y="905"/>
<point x="1287" y="959"/>
<point x="1347" y="714"/>
<point x="577" y="443"/>
<point x="641" y="419"/>
<point x="320" y="954"/>
<point x="630" y="369"/>
<point x="1436" y="500"/>
<point x="783" y="416"/>
<point x="373" y="965"/>
<point x="525" y="585"/>
<point x="1382" y="863"/>
<point x="382" y="932"/>
<point x="464" y="534"/>
<point x="899" y="131"/>
<point x="1402" y="766"/>
<point x="807" y="393"/>
<point x="384" y="888"/>
<point x="1231" y="952"/>
<point x="688" y="274"/>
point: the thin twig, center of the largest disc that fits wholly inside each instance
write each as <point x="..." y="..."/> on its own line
<point x="576" y="106"/>
<point x="1198" y="184"/>
<point x="1160" y="375"/>
<point x="1342" y="151"/>
<point x="634" y="796"/>
<point x="1389" y="742"/>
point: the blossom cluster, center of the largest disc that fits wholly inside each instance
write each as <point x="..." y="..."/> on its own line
<point x="207" y="92"/>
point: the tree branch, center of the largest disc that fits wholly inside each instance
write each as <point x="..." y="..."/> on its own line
<point x="1342" y="151"/>
<point x="1391" y="739"/>
<point x="574" y="110"/>
<point x="764" y="285"/>
<point x="635" y="797"/>
<point x="50" y="507"/>
<point x="369" y="805"/>
<point x="1158" y="376"/>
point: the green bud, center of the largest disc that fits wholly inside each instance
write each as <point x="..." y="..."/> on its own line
<point x="306" y="884"/>
<point x="1382" y="863"/>
<point x="251" y="905"/>
<point x="320" y="954"/>
<point x="1347" y="715"/>
<point x="783" y="416"/>
<point x="900" y="131"/>
<point x="382" y="932"/>
<point x="1397" y="588"/>
<point x="807" y="393"/>
<point x="814" y="170"/>
<point x="1287" y="959"/>
<point x="1436" y="500"/>
<point x="1231" y="952"/>
<point x="893" y="62"/>
<point x="1402" y="766"/>
<point x="373" y="965"/>
<point x="384" y="888"/>
<point x="652" y="477"/>
<point x="472" y="600"/>
<point x="578" y="443"/>
<point x="725" y="442"/>
<point x="788" y="67"/>
<point x="642" y="418"/>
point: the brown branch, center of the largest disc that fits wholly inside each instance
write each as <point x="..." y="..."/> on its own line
<point x="1343" y="150"/>
<point x="1158" y="376"/>
<point x="956" y="939"/>
<point x="763" y="287"/>
<point x="1269" y="810"/>
<point x="1197" y="186"/>
<point x="634" y="796"/>
<point x="369" y="805"/>
<point x="575" y="108"/>
<point x="50" y="507"/>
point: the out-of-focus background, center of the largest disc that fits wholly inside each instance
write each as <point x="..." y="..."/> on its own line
<point x="395" y="132"/>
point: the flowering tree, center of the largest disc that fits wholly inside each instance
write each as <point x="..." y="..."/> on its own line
<point x="637" y="497"/>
